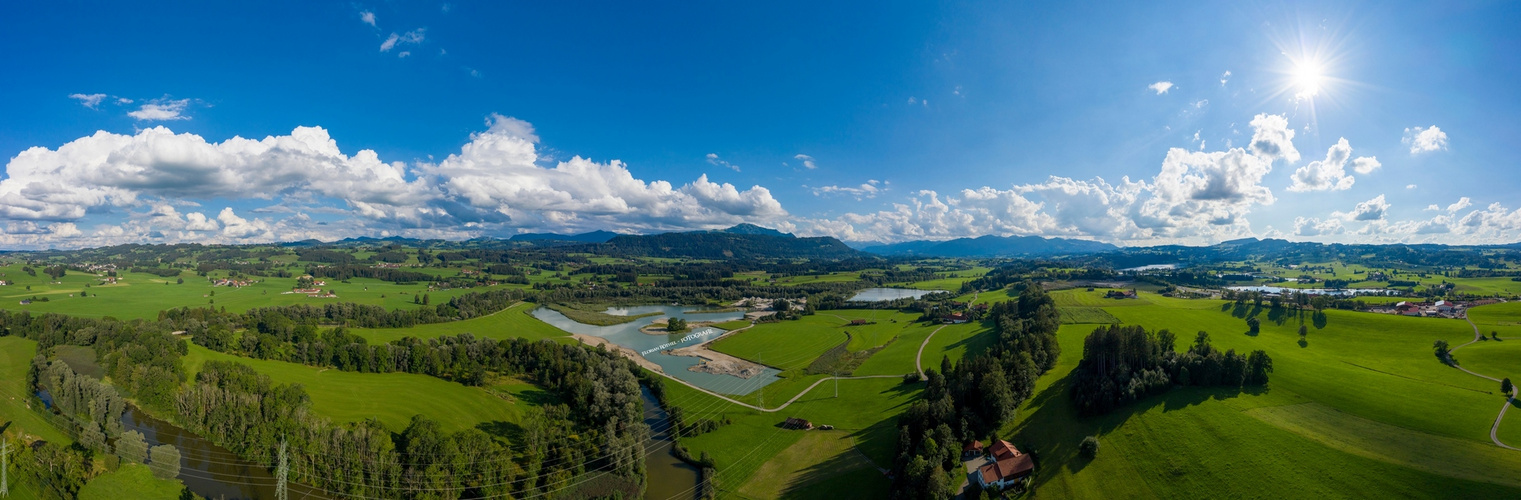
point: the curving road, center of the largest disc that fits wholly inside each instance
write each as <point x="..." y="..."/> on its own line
<point x="918" y="363"/>
<point x="1494" y="432"/>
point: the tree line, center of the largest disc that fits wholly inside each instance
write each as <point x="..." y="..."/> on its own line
<point x="1123" y="363"/>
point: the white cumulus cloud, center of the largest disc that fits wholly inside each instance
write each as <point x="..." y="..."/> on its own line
<point x="1423" y="140"/>
<point x="161" y="109"/>
<point x="88" y="100"/>
<point x="1160" y="87"/>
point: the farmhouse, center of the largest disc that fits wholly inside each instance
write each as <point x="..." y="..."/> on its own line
<point x="1006" y="466"/>
<point x="797" y="424"/>
<point x="857" y="322"/>
<point x="957" y="318"/>
<point x="1120" y="294"/>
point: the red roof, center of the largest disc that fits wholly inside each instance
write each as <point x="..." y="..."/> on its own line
<point x="972" y="446"/>
<point x="1002" y="449"/>
<point x="1013" y="467"/>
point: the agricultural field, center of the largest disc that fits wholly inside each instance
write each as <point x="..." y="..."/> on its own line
<point x="141" y="295"/>
<point x="391" y="397"/>
<point x="1363" y="406"/>
<point x="512" y="322"/>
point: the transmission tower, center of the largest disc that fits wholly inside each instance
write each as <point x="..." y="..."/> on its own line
<point x="280" y="473"/>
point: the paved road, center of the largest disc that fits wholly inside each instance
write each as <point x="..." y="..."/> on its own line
<point x="1494" y="432"/>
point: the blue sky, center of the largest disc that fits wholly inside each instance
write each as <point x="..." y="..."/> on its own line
<point x="1129" y="123"/>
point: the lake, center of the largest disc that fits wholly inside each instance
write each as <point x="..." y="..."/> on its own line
<point x="652" y="346"/>
<point x="881" y="294"/>
<point x="1151" y="267"/>
<point x="1317" y="291"/>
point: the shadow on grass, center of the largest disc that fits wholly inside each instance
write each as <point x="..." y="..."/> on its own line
<point x="1054" y="429"/>
<point x="512" y="432"/>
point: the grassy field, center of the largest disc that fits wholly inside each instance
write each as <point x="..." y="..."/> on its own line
<point x="756" y="446"/>
<point x="141" y="295"/>
<point x="1087" y="315"/>
<point x="513" y="322"/>
<point x="787" y="344"/>
<point x="130" y="481"/>
<point x="1363" y="410"/>
<point x="391" y="397"/>
<point x="823" y="464"/>
<point x="15" y="356"/>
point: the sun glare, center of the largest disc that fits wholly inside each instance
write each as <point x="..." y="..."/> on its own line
<point x="1307" y="79"/>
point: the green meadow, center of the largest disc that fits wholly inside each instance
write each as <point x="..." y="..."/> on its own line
<point x="134" y="481"/>
<point x="141" y="295"/>
<point x="512" y="322"/>
<point x="15" y="357"/>
<point x="1362" y="409"/>
<point x="393" y="398"/>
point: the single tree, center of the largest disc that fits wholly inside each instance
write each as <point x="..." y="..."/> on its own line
<point x="1089" y="447"/>
<point x="1442" y="349"/>
<point x="1303" y="330"/>
<point x="166" y="461"/>
<point x="1253" y="325"/>
<point x="132" y="447"/>
<point x="1505" y="386"/>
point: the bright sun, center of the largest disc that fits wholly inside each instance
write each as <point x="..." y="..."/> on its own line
<point x="1307" y="78"/>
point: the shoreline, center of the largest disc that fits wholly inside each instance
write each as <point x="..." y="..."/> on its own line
<point x="594" y="341"/>
<point x="716" y="362"/>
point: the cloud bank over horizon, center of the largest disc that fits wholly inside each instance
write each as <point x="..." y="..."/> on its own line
<point x="158" y="186"/>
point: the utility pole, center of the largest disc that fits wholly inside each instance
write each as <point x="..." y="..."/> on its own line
<point x="280" y="474"/>
<point x="5" y="485"/>
<point x="760" y="356"/>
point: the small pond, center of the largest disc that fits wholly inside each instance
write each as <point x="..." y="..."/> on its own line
<point x="881" y="294"/>
<point x="651" y="346"/>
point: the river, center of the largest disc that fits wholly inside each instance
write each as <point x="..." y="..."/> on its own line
<point x="666" y="477"/>
<point x="209" y="470"/>
<point x="653" y="347"/>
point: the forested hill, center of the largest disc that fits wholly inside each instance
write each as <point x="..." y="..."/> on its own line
<point x="1379" y="255"/>
<point x="993" y="246"/>
<point x="591" y="237"/>
<point x="725" y="245"/>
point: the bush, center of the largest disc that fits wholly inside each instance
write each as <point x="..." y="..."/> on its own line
<point x="1089" y="447"/>
<point x="912" y="378"/>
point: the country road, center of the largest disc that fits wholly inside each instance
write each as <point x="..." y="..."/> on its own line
<point x="918" y="358"/>
<point x="1494" y="431"/>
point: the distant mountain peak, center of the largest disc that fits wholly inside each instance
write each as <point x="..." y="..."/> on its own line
<point x="748" y="228"/>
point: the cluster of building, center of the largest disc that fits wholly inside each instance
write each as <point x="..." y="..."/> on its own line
<point x="1438" y="309"/>
<point x="235" y="283"/>
<point x="1002" y="465"/>
<point x="1120" y="294"/>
